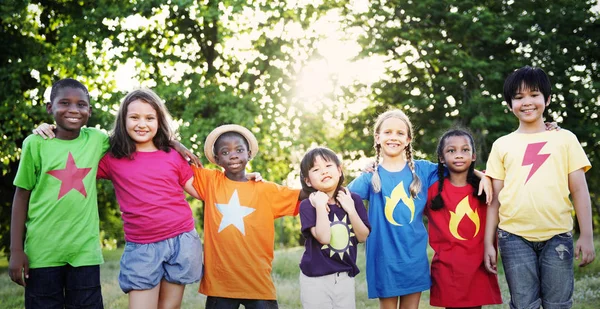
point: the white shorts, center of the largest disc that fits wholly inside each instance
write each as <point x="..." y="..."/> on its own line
<point x="329" y="291"/>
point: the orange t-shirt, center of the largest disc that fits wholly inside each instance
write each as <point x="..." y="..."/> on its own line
<point x="239" y="233"/>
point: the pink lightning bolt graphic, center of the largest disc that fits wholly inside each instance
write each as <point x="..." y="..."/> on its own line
<point x="534" y="158"/>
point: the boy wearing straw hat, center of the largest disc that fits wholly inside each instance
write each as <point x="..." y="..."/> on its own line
<point x="239" y="222"/>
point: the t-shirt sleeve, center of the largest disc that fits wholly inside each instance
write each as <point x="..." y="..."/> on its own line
<point x="494" y="167"/>
<point x="431" y="193"/>
<point x="361" y="185"/>
<point x="105" y="142"/>
<point x="29" y="164"/>
<point x="577" y="157"/>
<point x="104" y="168"/>
<point x="430" y="172"/>
<point x="361" y="210"/>
<point x="184" y="169"/>
<point x="283" y="200"/>
<point x="308" y="217"/>
<point x="202" y="180"/>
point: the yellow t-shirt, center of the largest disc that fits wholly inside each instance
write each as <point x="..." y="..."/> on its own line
<point x="239" y="233"/>
<point x="534" y="202"/>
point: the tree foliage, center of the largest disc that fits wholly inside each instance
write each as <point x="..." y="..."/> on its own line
<point x="448" y="61"/>
<point x="217" y="62"/>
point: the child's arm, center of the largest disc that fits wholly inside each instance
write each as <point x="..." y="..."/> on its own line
<point x="321" y="231"/>
<point x="45" y="130"/>
<point x="189" y="188"/>
<point x="584" y="249"/>
<point x="485" y="185"/>
<point x="359" y="227"/>
<point x="185" y="153"/>
<point x="491" y="225"/>
<point x="18" y="266"/>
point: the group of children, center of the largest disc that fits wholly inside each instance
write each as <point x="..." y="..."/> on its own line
<point x="531" y="173"/>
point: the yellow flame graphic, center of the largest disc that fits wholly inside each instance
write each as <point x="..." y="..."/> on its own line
<point x="463" y="209"/>
<point x="398" y="194"/>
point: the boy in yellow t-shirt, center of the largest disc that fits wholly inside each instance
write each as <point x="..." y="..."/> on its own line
<point x="533" y="173"/>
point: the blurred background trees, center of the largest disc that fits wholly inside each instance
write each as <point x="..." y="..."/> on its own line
<point x="298" y="73"/>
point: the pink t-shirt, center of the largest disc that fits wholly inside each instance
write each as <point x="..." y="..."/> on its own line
<point x="150" y="193"/>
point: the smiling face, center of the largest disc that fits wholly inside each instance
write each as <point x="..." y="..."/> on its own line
<point x="231" y="153"/>
<point x="324" y="175"/>
<point x="71" y="110"/>
<point x="142" y="124"/>
<point x="529" y="105"/>
<point x="457" y="154"/>
<point x="393" y="136"/>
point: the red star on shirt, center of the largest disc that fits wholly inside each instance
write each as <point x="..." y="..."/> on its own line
<point x="71" y="177"/>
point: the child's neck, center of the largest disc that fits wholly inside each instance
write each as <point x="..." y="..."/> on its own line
<point x="533" y="127"/>
<point x="393" y="164"/>
<point x="458" y="179"/>
<point x="331" y="195"/>
<point x="241" y="176"/>
<point x="66" y="135"/>
<point x="145" y="147"/>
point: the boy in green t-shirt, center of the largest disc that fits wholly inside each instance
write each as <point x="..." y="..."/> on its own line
<point x="57" y="259"/>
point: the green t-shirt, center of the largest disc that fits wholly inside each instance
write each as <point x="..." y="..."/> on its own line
<point x="62" y="219"/>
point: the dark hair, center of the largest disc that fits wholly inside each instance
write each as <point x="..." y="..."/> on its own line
<point x="528" y="78"/>
<point x="121" y="144"/>
<point x="437" y="202"/>
<point x="308" y="161"/>
<point x="231" y="134"/>
<point x="67" y="83"/>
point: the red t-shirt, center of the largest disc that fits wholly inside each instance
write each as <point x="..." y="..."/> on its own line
<point x="458" y="275"/>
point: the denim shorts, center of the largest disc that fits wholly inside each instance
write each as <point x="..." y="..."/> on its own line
<point x="64" y="287"/>
<point x="177" y="260"/>
<point x="538" y="273"/>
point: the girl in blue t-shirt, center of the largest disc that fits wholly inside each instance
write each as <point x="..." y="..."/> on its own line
<point x="396" y="252"/>
<point x="333" y="221"/>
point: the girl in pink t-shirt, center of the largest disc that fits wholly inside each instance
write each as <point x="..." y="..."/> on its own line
<point x="163" y="252"/>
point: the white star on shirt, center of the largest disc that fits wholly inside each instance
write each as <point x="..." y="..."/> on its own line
<point x="233" y="213"/>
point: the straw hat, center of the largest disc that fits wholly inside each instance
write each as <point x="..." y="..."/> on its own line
<point x="209" y="144"/>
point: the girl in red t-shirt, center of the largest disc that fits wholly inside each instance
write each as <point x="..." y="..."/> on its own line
<point x="457" y="218"/>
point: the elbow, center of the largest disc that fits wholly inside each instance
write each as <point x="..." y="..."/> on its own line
<point x="363" y="237"/>
<point x="324" y="239"/>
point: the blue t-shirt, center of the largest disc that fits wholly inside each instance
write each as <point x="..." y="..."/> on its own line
<point x="340" y="255"/>
<point x="396" y="250"/>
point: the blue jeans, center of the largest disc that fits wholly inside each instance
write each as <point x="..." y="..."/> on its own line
<point x="64" y="287"/>
<point x="538" y="273"/>
<point x="234" y="303"/>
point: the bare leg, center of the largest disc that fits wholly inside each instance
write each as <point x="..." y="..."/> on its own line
<point x="388" y="303"/>
<point x="144" y="299"/>
<point x="410" y="301"/>
<point x="170" y="295"/>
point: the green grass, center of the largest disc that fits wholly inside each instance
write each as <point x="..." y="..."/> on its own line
<point x="285" y="275"/>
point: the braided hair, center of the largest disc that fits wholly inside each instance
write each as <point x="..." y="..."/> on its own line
<point x="437" y="202"/>
<point x="415" y="185"/>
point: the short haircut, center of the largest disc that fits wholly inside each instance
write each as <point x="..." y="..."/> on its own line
<point x="67" y="83"/>
<point x="528" y="78"/>
<point x="231" y="134"/>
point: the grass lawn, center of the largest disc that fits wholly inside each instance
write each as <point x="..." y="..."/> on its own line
<point x="285" y="274"/>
